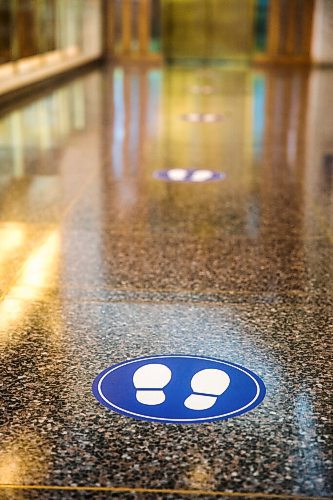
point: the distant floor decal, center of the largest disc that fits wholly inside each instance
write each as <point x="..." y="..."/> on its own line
<point x="189" y="175"/>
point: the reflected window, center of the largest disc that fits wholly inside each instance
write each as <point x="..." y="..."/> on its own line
<point x="26" y="21"/>
<point x="6" y="31"/>
<point x="260" y="25"/>
<point x="46" y="23"/>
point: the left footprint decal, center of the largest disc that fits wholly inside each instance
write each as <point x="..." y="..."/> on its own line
<point x="149" y="380"/>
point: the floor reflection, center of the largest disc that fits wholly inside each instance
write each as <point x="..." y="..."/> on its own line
<point x="276" y="161"/>
<point x="88" y="234"/>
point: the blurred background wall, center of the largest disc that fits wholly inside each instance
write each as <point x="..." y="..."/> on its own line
<point x="214" y="31"/>
<point x="208" y="30"/>
<point x="43" y="38"/>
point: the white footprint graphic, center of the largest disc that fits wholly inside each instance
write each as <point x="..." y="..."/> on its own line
<point x="209" y="117"/>
<point x="149" y="380"/>
<point x="192" y="117"/>
<point x="177" y="174"/>
<point x="201" y="175"/>
<point x="207" y="384"/>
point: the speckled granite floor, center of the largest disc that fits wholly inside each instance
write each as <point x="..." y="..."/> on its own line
<point x="101" y="262"/>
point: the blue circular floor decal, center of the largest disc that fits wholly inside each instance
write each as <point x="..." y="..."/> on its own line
<point x="179" y="389"/>
<point x="202" y="117"/>
<point x="202" y="89"/>
<point x="189" y="175"/>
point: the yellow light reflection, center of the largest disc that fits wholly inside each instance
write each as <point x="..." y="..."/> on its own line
<point x="16" y="464"/>
<point x="9" y="469"/>
<point x="12" y="237"/>
<point x="38" y="268"/>
<point x="201" y="475"/>
<point x="9" y="310"/>
<point x="35" y="275"/>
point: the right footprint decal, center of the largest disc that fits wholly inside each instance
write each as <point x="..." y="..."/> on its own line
<point x="149" y="380"/>
<point x="207" y="385"/>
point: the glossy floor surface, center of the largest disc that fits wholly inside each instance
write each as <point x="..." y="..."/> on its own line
<point x="101" y="262"/>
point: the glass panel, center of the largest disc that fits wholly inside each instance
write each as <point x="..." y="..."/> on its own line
<point x="155" y="26"/>
<point x="26" y="20"/>
<point x="32" y="27"/>
<point x="68" y="23"/>
<point x="261" y="20"/>
<point x="117" y="11"/>
<point x="6" y="31"/>
<point x="143" y="20"/>
<point x="60" y="30"/>
<point x="135" y="26"/>
<point x="89" y="20"/>
<point x="46" y="25"/>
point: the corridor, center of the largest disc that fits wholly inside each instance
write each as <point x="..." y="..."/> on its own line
<point x="106" y="256"/>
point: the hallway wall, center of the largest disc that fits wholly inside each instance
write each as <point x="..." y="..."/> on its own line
<point x="209" y="29"/>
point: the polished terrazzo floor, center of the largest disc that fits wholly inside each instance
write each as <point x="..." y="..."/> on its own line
<point x="101" y="262"/>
